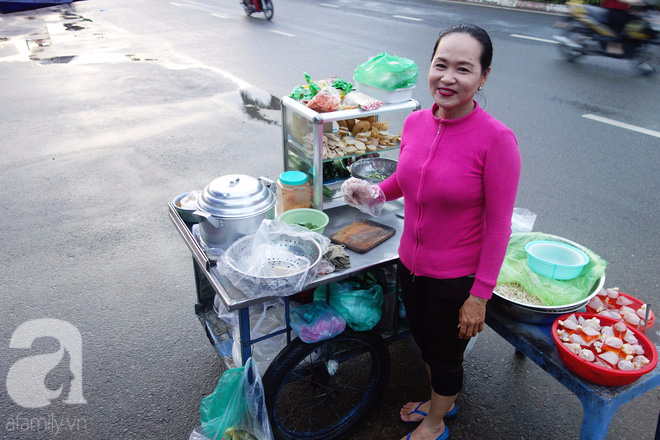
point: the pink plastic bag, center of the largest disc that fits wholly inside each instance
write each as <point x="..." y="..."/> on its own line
<point x="315" y="322"/>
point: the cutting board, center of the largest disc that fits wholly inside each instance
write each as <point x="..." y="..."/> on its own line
<point x="363" y="235"/>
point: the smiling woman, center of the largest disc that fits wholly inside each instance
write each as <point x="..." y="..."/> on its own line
<point x="459" y="67"/>
<point x="458" y="172"/>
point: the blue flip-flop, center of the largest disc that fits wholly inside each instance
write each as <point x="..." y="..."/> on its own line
<point x="416" y="411"/>
<point x="443" y="436"/>
<point x="450" y="415"/>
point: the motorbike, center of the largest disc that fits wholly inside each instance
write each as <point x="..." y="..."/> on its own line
<point x="586" y="31"/>
<point x="252" y="6"/>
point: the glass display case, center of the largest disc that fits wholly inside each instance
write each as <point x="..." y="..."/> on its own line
<point x="323" y="145"/>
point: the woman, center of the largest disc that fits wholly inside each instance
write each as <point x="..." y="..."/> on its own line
<point x="458" y="170"/>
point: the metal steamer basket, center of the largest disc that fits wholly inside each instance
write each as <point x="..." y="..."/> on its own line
<point x="295" y="269"/>
<point x="232" y="206"/>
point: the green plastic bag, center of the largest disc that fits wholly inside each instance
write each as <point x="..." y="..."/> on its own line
<point x="551" y="292"/>
<point x="307" y="91"/>
<point x="387" y="72"/>
<point x="236" y="407"/>
<point x="360" y="307"/>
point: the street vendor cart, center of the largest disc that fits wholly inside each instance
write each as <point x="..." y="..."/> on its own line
<point x="342" y="378"/>
<point x="323" y="390"/>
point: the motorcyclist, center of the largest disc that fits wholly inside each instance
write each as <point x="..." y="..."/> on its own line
<point x="619" y="13"/>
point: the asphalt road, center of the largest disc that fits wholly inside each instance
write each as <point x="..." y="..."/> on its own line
<point x="109" y="109"/>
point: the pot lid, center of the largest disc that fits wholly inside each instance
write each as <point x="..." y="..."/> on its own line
<point x="235" y="196"/>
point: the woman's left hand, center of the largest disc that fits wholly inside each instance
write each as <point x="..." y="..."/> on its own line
<point x="471" y="317"/>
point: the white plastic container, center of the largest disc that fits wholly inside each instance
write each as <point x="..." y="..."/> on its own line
<point x="399" y="95"/>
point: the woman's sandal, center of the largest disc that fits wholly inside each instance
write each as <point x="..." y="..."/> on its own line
<point x="443" y="436"/>
<point x="450" y="415"/>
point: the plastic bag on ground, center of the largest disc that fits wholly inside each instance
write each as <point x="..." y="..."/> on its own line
<point x="387" y="72"/>
<point x="316" y="321"/>
<point x="362" y="195"/>
<point x="551" y="292"/>
<point x="361" y="308"/>
<point x="235" y="409"/>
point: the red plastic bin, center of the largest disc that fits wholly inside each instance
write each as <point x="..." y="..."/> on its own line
<point x="595" y="373"/>
<point x="637" y="304"/>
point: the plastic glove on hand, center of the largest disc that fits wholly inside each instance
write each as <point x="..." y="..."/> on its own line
<point x="362" y="195"/>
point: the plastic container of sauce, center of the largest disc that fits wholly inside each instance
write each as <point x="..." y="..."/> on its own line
<point x="293" y="191"/>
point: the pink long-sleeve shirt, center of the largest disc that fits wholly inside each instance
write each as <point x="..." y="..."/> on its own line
<point x="459" y="179"/>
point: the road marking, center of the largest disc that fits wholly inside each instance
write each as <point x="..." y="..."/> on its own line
<point x="525" y="37"/>
<point x="622" y="125"/>
<point x="328" y="5"/>
<point x="407" y="18"/>
<point x="219" y="15"/>
<point x="286" y="34"/>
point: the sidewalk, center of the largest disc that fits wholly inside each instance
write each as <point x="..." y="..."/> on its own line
<point x="523" y="4"/>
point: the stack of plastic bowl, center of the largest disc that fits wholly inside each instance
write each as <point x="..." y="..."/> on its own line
<point x="559" y="261"/>
<point x="306" y="217"/>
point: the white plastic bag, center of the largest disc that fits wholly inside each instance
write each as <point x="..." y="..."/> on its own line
<point x="265" y="319"/>
<point x="522" y="220"/>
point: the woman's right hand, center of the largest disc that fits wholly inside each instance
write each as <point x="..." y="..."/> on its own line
<point x="362" y="195"/>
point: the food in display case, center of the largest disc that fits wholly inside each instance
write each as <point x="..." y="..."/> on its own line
<point x="354" y="136"/>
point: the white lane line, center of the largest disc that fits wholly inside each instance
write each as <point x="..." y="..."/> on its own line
<point x="407" y="18"/>
<point x="328" y="5"/>
<point x="220" y="15"/>
<point x="286" y="34"/>
<point x="622" y="125"/>
<point x="525" y="37"/>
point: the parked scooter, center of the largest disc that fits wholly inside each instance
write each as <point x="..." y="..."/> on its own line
<point x="588" y="32"/>
<point x="252" y="6"/>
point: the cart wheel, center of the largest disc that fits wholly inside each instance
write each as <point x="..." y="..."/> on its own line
<point x="322" y="390"/>
<point x="268" y="9"/>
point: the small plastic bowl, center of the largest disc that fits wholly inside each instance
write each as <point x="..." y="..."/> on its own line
<point x="555" y="260"/>
<point x="186" y="214"/>
<point x="301" y="216"/>
<point x="602" y="375"/>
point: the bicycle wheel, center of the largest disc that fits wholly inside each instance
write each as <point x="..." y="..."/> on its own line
<point x="268" y="9"/>
<point x="309" y="396"/>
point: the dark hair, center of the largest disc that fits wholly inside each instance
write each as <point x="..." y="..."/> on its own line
<point x="478" y="34"/>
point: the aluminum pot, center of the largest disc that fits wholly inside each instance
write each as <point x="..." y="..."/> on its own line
<point x="232" y="206"/>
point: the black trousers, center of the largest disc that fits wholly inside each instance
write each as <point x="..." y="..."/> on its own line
<point x="432" y="307"/>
